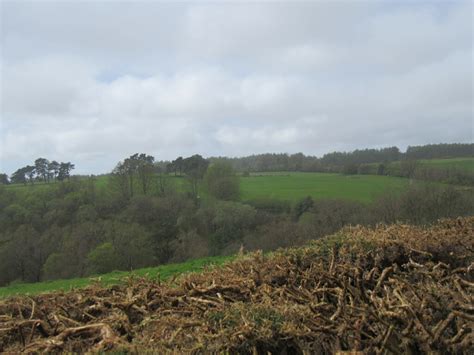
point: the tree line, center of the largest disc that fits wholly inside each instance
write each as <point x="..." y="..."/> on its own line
<point x="42" y="170"/>
<point x="438" y="151"/>
<point x="385" y="161"/>
<point x="414" y="169"/>
<point x="359" y="161"/>
<point x="340" y="161"/>
<point x="140" y="170"/>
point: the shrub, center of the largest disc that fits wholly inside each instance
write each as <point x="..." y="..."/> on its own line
<point x="103" y="259"/>
<point x="270" y="205"/>
<point x="222" y="182"/>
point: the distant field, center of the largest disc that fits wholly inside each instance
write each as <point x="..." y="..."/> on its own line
<point x="162" y="272"/>
<point x="293" y="186"/>
<point x="466" y="164"/>
<point x="458" y="163"/>
<point x="289" y="186"/>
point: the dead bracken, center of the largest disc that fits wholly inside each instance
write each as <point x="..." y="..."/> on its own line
<point x="391" y="289"/>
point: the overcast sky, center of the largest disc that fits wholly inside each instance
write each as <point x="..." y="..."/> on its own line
<point x="93" y="82"/>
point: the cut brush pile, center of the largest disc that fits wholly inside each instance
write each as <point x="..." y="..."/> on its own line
<point x="395" y="289"/>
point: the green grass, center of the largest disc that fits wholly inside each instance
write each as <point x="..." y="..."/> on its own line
<point x="25" y="189"/>
<point x="289" y="186"/>
<point x="293" y="186"/>
<point x="466" y="164"/>
<point x="163" y="272"/>
<point x="101" y="181"/>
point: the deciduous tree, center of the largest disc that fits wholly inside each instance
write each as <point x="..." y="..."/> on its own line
<point x="41" y="166"/>
<point x="195" y="167"/>
<point x="4" y="179"/>
<point x="53" y="169"/>
<point x="64" y="171"/>
<point x="19" y="176"/>
<point x="222" y="182"/>
<point x="145" y="171"/>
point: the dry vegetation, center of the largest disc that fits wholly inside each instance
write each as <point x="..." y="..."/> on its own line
<point x="396" y="289"/>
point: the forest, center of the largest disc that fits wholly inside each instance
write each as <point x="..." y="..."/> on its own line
<point x="339" y="161"/>
<point x="144" y="215"/>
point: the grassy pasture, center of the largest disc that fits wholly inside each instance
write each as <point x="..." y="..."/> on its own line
<point x="162" y="272"/>
<point x="466" y="164"/>
<point x="293" y="186"/>
<point x="289" y="186"/>
<point x="285" y="186"/>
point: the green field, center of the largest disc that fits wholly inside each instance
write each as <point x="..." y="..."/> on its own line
<point x="163" y="272"/>
<point x="466" y="164"/>
<point x="289" y="186"/>
<point x="293" y="186"/>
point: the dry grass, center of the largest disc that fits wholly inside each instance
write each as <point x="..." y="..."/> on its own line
<point x="395" y="289"/>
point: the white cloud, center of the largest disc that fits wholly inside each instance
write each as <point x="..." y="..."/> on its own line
<point x="94" y="82"/>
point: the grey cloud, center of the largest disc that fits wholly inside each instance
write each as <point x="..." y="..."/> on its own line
<point x="93" y="82"/>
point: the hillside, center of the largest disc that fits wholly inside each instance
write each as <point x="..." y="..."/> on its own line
<point x="364" y="185"/>
<point x="162" y="272"/>
<point x="398" y="289"/>
<point x="289" y="186"/>
<point x="293" y="186"/>
<point x="465" y="164"/>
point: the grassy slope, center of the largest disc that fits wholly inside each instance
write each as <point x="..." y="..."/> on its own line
<point x="286" y="186"/>
<point x="163" y="272"/>
<point x="466" y="164"/>
<point x="292" y="186"/>
<point x="458" y="163"/>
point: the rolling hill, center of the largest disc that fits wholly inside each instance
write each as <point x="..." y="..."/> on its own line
<point x="398" y="289"/>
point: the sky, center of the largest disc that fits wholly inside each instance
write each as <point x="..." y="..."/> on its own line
<point x="94" y="82"/>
